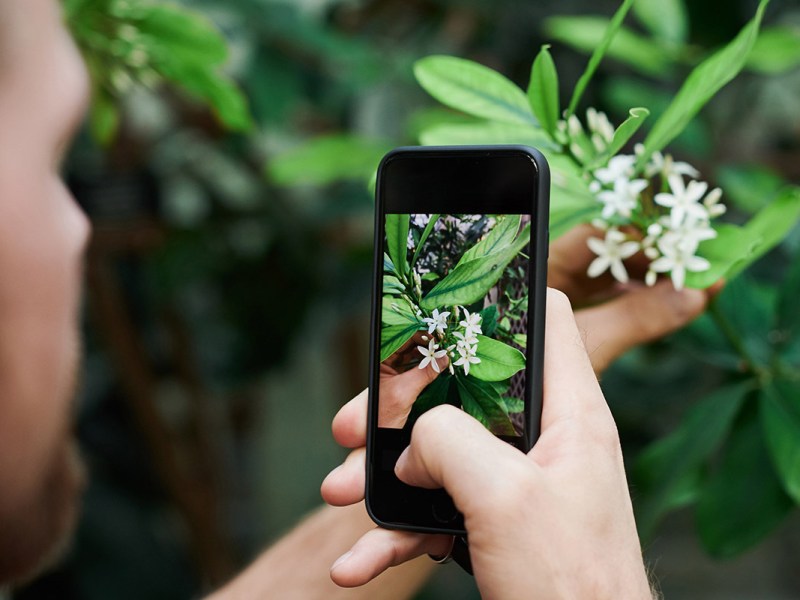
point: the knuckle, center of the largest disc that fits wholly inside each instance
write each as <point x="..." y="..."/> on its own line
<point x="558" y="301"/>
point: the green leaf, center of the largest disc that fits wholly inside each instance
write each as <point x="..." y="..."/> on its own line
<point x="327" y="159"/>
<point x="780" y="418"/>
<point x="513" y="405"/>
<point x="543" y="90"/>
<point x="489" y="320"/>
<point x="425" y="233"/>
<point x="571" y="202"/>
<point x="586" y="34"/>
<point x="435" y="393"/>
<point x="666" y="19"/>
<point x="701" y="85"/>
<point x="500" y="237"/>
<point x="743" y="500"/>
<point x="667" y="468"/>
<point x="499" y="361"/>
<point x="788" y="322"/>
<point x="103" y="118"/>
<point x="491" y="132"/>
<point x="392" y="285"/>
<point x="474" y="89"/>
<point x="470" y="281"/>
<point x="397" y="242"/>
<point x="622" y="135"/>
<point x="734" y="246"/>
<point x="776" y="50"/>
<point x="481" y="400"/>
<point x="388" y="265"/>
<point x="770" y="225"/>
<point x="180" y="32"/>
<point x="398" y="311"/>
<point x="749" y="187"/>
<point x="394" y="336"/>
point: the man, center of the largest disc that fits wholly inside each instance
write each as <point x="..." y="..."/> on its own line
<point x="43" y="96"/>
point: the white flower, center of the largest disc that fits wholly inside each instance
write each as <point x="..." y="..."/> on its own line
<point x="610" y="254"/>
<point x="430" y="354"/>
<point x="678" y="256"/>
<point x="467" y="358"/>
<point x="471" y="323"/>
<point x="684" y="200"/>
<point x="623" y="198"/>
<point x="620" y="166"/>
<point x="711" y="202"/>
<point x="665" y="165"/>
<point x="598" y="122"/>
<point x="437" y="321"/>
<point x="465" y="339"/>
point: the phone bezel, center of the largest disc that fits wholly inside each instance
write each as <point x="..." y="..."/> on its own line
<point x="470" y="174"/>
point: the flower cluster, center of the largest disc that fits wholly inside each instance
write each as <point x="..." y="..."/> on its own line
<point x="659" y="208"/>
<point x="460" y="345"/>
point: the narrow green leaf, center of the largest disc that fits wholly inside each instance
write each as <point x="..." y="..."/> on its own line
<point x="398" y="311"/>
<point x="597" y="55"/>
<point x="666" y="19"/>
<point x="490" y="132"/>
<point x="499" y="361"/>
<point x="327" y="159"/>
<point x="780" y="418"/>
<point x="621" y="136"/>
<point x="586" y="33"/>
<point x="665" y="469"/>
<point x="776" y="50"/>
<point x="500" y="237"/>
<point x="743" y="500"/>
<point x="425" y="233"/>
<point x="394" y="336"/>
<point x="470" y="281"/>
<point x="388" y="265"/>
<point x="543" y="90"/>
<point x="481" y="400"/>
<point x="397" y="242"/>
<point x="474" y="89"/>
<point x="701" y="85"/>
<point x="732" y="248"/>
<point x="771" y="224"/>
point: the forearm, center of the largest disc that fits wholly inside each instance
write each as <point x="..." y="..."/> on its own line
<point x="298" y="565"/>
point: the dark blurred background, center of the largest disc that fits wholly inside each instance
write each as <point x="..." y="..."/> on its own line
<point x="229" y="277"/>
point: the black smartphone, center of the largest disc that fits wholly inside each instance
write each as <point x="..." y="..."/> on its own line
<point x="458" y="309"/>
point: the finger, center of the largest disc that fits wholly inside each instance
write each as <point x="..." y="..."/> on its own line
<point x="640" y="316"/>
<point x="350" y="423"/>
<point x="451" y="449"/>
<point x="413" y="381"/>
<point x="570" y="385"/>
<point x="345" y="484"/>
<point x="379" y="549"/>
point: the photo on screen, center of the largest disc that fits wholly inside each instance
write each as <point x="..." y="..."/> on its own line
<point x="454" y="318"/>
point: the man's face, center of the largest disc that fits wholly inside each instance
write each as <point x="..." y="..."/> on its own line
<point x="43" y="91"/>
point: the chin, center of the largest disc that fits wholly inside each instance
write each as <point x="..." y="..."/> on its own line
<point x="38" y="533"/>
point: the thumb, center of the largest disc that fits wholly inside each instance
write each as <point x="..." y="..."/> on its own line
<point x="637" y="317"/>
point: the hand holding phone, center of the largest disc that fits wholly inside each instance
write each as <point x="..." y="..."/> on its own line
<point x="458" y="307"/>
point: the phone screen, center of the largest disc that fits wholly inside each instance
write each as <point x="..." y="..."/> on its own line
<point x="458" y="308"/>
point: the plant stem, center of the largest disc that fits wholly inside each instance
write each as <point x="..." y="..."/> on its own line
<point x="736" y="341"/>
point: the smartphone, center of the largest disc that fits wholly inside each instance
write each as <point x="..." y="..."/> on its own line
<point x="458" y="309"/>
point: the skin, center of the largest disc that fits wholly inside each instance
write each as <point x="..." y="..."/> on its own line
<point x="43" y="234"/>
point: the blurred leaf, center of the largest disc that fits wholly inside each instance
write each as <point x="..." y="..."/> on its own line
<point x="428" y="118"/>
<point x="183" y="35"/>
<point x="394" y="336"/>
<point x="543" y="90"/>
<point x="733" y="247"/>
<point x="325" y="160"/>
<point x="481" y="400"/>
<point x="749" y="187"/>
<point x="474" y="89"/>
<point x="701" y="85"/>
<point x="499" y="361"/>
<point x="397" y="242"/>
<point x="622" y="135"/>
<point x="780" y="418"/>
<point x="788" y="321"/>
<point x="776" y="50"/>
<point x="666" y="469"/>
<point x="770" y="225"/>
<point x="666" y="19"/>
<point x="586" y="34"/>
<point x="743" y="500"/>
<point x="103" y="118"/>
<point x="470" y="281"/>
<point x="425" y="233"/>
<point x="571" y="202"/>
<point x="490" y="132"/>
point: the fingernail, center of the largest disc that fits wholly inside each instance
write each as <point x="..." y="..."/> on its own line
<point x="341" y="560"/>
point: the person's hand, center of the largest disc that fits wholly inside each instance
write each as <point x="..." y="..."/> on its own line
<point x="613" y="317"/>
<point x="400" y="385"/>
<point x="556" y="522"/>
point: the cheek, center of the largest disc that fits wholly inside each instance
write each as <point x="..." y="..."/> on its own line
<point x="42" y="238"/>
